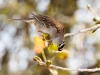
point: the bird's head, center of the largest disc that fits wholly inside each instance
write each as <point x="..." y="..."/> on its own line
<point x="56" y="44"/>
<point x="59" y="41"/>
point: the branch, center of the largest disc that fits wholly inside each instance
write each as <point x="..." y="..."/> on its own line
<point x="40" y="62"/>
<point x="94" y="28"/>
<point x="92" y="11"/>
<point x="83" y="31"/>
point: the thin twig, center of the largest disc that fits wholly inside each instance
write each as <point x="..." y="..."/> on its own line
<point x="94" y="28"/>
<point x="69" y="69"/>
<point x="83" y="31"/>
<point x="44" y="57"/>
<point x="65" y="69"/>
<point x="92" y="11"/>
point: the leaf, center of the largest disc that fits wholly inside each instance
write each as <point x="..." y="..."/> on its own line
<point x="52" y="47"/>
<point x="62" y="54"/>
<point x="39" y="44"/>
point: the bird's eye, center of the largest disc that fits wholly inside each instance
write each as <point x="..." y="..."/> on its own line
<point x="61" y="46"/>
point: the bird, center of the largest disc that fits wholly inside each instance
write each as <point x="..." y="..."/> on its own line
<point x="50" y="28"/>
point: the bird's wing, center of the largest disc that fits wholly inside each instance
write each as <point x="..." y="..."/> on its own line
<point x="48" y="22"/>
<point x="45" y="21"/>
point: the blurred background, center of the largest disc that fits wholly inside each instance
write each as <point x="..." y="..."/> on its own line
<point x="16" y="37"/>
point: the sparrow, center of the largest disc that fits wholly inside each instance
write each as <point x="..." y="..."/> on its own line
<point x="51" y="30"/>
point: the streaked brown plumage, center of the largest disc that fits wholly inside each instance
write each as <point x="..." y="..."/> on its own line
<point x="50" y="21"/>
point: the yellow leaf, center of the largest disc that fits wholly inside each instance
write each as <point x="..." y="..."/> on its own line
<point x="52" y="47"/>
<point x="62" y="54"/>
<point x="39" y="44"/>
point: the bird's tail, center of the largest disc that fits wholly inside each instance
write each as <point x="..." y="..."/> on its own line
<point x="25" y="20"/>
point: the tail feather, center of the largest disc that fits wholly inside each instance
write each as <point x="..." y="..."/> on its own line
<point x="30" y="20"/>
<point x="25" y="20"/>
<point x="35" y="17"/>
